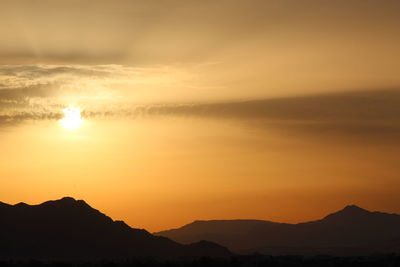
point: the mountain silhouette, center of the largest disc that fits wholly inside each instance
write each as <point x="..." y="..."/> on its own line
<point x="69" y="229"/>
<point x="350" y="231"/>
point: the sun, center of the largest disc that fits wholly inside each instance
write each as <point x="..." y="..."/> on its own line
<point x="72" y="119"/>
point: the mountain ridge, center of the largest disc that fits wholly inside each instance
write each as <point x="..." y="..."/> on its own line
<point x="347" y="207"/>
<point x="69" y="229"/>
<point x="349" y="230"/>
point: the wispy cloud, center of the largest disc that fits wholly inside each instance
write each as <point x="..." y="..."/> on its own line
<point x="19" y="81"/>
<point x="369" y="113"/>
<point x="36" y="90"/>
<point x="39" y="92"/>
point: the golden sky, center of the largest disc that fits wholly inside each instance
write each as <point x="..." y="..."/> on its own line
<point x="214" y="109"/>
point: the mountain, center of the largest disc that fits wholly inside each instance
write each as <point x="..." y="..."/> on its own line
<point x="69" y="229"/>
<point x="350" y="231"/>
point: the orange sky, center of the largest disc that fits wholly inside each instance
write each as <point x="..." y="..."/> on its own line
<point x="278" y="110"/>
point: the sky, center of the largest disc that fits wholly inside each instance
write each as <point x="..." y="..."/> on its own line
<point x="160" y="112"/>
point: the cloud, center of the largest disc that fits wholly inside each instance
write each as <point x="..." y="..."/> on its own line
<point x="360" y="105"/>
<point x="100" y="90"/>
<point x="17" y="118"/>
<point x="91" y="81"/>
<point x="39" y="92"/>
<point x="24" y="77"/>
<point x="368" y="114"/>
<point x="362" y="114"/>
<point x="35" y="92"/>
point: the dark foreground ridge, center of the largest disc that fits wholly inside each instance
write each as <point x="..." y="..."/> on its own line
<point x="350" y="231"/>
<point x="390" y="260"/>
<point x="69" y="229"/>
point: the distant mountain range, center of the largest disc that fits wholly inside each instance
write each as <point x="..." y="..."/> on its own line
<point x="350" y="231"/>
<point x="69" y="229"/>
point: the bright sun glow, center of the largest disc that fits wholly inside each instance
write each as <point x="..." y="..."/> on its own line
<point x="72" y="118"/>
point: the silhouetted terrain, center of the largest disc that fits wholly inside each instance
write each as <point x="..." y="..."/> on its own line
<point x="389" y="260"/>
<point x="351" y="231"/>
<point x="70" y="229"/>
